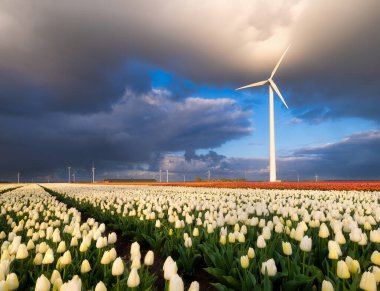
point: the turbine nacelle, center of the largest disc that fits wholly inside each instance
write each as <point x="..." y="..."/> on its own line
<point x="272" y="84"/>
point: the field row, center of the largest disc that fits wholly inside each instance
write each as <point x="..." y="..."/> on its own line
<point x="302" y="185"/>
<point x="247" y="239"/>
<point x="46" y="246"/>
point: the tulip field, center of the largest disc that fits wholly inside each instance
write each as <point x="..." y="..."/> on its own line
<point x="65" y="237"/>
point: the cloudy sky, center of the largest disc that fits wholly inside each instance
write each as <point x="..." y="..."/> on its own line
<point x="137" y="86"/>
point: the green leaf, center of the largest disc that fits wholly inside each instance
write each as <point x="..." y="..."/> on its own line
<point x="221" y="287"/>
<point x="299" y="281"/>
<point x="232" y="282"/>
<point x="217" y="273"/>
<point x="267" y="284"/>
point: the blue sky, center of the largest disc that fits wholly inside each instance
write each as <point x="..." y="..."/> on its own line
<point x="291" y="131"/>
<point x="135" y="91"/>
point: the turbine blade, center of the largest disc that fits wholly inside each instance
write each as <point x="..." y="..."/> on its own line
<point x="253" y="85"/>
<point x="275" y="88"/>
<point x="278" y="64"/>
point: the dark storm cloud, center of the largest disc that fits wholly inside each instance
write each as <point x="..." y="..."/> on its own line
<point x="355" y="157"/>
<point x="64" y="67"/>
<point x="134" y="133"/>
<point x="77" y="54"/>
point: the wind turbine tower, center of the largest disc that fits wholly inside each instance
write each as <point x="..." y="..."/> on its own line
<point x="272" y="86"/>
<point x="69" y="168"/>
<point x="93" y="172"/>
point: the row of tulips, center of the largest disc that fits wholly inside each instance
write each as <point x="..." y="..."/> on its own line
<point x="45" y="246"/>
<point x="248" y="239"/>
<point x="8" y="187"/>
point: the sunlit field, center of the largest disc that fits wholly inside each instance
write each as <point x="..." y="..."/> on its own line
<point x="98" y="237"/>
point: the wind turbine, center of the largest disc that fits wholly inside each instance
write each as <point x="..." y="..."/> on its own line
<point x="272" y="86"/>
<point x="93" y="172"/>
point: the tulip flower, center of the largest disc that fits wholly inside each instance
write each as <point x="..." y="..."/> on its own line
<point x="48" y="258"/>
<point x="136" y="262"/>
<point x="287" y="248"/>
<point x="135" y="250"/>
<point x="241" y="238"/>
<point x="100" y="287"/>
<point x="374" y="236"/>
<point x="339" y="238"/>
<point x="105" y="258"/>
<point x="100" y="243"/>
<point x="61" y="247"/>
<point x="42" y="284"/>
<point x="194" y="286"/>
<point x="149" y="258"/>
<point x="327" y="286"/>
<point x="231" y="238"/>
<point x="223" y="240"/>
<point x="85" y="267"/>
<point x="251" y="253"/>
<point x="38" y="259"/>
<point x="376" y="272"/>
<point x="54" y="276"/>
<point x="66" y="259"/>
<point x="170" y="268"/>
<point x="354" y="267"/>
<point x="30" y="245"/>
<point x="356" y="235"/>
<point x="117" y="267"/>
<point x="133" y="279"/>
<point x="113" y="254"/>
<point x="368" y="282"/>
<point x="112" y="238"/>
<point x="266" y="233"/>
<point x="244" y="262"/>
<point x="375" y="258"/>
<point x="11" y="282"/>
<point x="342" y="270"/>
<point x="323" y="231"/>
<point x="333" y="254"/>
<point x="57" y="284"/>
<point x="83" y="247"/>
<point x="269" y="268"/>
<point x="261" y="242"/>
<point x="305" y="244"/>
<point x="22" y="252"/>
<point x="74" y="242"/>
<point x="176" y="283"/>
<point x="188" y="243"/>
<point x="75" y="284"/>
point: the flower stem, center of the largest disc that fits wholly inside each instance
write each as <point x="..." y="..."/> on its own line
<point x="288" y="266"/>
<point x="303" y="262"/>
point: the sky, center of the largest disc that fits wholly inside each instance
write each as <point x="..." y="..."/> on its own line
<point x="137" y="86"/>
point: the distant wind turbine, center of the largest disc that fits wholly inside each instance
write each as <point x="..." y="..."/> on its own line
<point x="93" y="172"/>
<point x="272" y="86"/>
